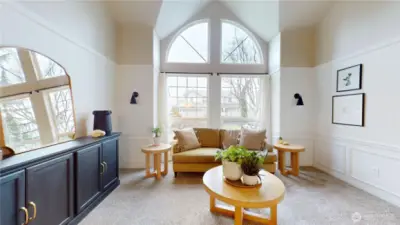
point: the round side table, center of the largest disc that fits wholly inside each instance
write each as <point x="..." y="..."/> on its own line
<point x="294" y="158"/>
<point x="156" y="151"/>
<point x="269" y="195"/>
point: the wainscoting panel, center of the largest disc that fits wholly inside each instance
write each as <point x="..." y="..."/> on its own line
<point x="372" y="167"/>
<point x="331" y="155"/>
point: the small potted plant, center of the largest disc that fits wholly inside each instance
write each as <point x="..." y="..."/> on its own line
<point x="251" y="165"/>
<point x="156" y="135"/>
<point x="231" y="159"/>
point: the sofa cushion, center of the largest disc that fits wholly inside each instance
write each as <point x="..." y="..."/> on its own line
<point x="271" y="158"/>
<point x="200" y="155"/>
<point x="208" y="138"/>
<point x="187" y="139"/>
<point x="229" y="137"/>
<point x="252" y="139"/>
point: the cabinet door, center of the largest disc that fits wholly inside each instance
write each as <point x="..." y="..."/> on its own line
<point x="50" y="190"/>
<point x="88" y="177"/>
<point x="12" y="198"/>
<point x="110" y="159"/>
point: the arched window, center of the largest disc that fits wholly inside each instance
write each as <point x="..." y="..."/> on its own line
<point x="190" y="45"/>
<point x="238" y="46"/>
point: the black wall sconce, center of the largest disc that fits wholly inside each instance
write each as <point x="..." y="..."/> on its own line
<point x="133" y="98"/>
<point x="299" y="99"/>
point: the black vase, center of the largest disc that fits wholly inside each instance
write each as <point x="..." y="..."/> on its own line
<point x="102" y="121"/>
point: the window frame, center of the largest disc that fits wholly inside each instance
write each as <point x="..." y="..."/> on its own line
<point x="49" y="107"/>
<point x="35" y="87"/>
<point x="239" y="119"/>
<point x="183" y="29"/>
<point x="249" y="35"/>
<point x="3" y="126"/>
<point x="207" y="117"/>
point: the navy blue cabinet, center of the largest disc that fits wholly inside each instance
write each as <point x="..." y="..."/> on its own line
<point x="60" y="184"/>
<point x="12" y="199"/>
<point x="88" y="176"/>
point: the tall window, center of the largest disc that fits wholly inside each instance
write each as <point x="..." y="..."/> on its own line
<point x="191" y="45"/>
<point x="237" y="46"/>
<point x="187" y="101"/>
<point x="240" y="101"/>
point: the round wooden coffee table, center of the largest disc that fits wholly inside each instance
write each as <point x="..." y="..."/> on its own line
<point x="294" y="158"/>
<point x="156" y="151"/>
<point x="268" y="195"/>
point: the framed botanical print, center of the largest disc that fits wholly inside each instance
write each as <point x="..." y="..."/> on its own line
<point x="349" y="79"/>
<point x="348" y="109"/>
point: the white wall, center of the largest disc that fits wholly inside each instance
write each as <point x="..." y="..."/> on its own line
<point x="62" y="37"/>
<point x="137" y="70"/>
<point x="366" y="157"/>
<point x="274" y="54"/>
<point x="135" y="121"/>
<point x="297" y="122"/>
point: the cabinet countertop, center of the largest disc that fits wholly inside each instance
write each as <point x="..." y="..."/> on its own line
<point x="50" y="151"/>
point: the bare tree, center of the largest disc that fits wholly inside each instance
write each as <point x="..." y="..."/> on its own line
<point x="245" y="90"/>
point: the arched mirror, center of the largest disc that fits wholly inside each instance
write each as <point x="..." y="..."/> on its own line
<point x="35" y="101"/>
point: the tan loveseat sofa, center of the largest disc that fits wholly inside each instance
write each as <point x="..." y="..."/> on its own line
<point x="203" y="158"/>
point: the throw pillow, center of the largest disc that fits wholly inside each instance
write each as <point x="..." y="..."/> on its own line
<point x="252" y="139"/>
<point x="229" y="137"/>
<point x="208" y="138"/>
<point x="187" y="139"/>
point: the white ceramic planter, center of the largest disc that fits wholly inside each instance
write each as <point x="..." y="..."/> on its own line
<point x="231" y="170"/>
<point x="250" y="180"/>
<point x="156" y="140"/>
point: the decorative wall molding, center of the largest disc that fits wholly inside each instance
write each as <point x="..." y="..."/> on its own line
<point x="372" y="174"/>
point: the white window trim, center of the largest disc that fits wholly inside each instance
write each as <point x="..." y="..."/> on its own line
<point x="179" y="32"/>
<point x="250" y="35"/>
<point x="214" y="118"/>
<point x="38" y="100"/>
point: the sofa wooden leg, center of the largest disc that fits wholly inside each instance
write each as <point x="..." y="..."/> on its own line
<point x="176" y="174"/>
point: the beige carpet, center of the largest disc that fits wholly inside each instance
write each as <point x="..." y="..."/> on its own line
<point x="313" y="198"/>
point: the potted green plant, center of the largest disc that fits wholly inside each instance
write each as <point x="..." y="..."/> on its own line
<point x="251" y="165"/>
<point x="156" y="135"/>
<point x="231" y="159"/>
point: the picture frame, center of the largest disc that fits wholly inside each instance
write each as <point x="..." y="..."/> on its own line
<point x="349" y="78"/>
<point x="348" y="109"/>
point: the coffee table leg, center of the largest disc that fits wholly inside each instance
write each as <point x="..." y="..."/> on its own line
<point x="212" y="204"/>
<point x="238" y="215"/>
<point x="273" y="215"/>
<point x="294" y="158"/>
<point x="165" y="172"/>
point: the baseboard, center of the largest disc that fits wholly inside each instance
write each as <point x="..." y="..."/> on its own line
<point x="391" y="198"/>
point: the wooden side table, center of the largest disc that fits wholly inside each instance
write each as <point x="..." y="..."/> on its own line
<point x="156" y="151"/>
<point x="294" y="158"/>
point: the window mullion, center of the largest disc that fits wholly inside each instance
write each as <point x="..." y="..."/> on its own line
<point x="42" y="118"/>
<point x="214" y="101"/>
<point x="38" y="101"/>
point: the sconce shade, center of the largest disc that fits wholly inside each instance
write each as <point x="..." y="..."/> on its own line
<point x="133" y="98"/>
<point x="299" y="99"/>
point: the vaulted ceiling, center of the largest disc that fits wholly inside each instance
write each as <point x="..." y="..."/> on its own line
<point x="264" y="17"/>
